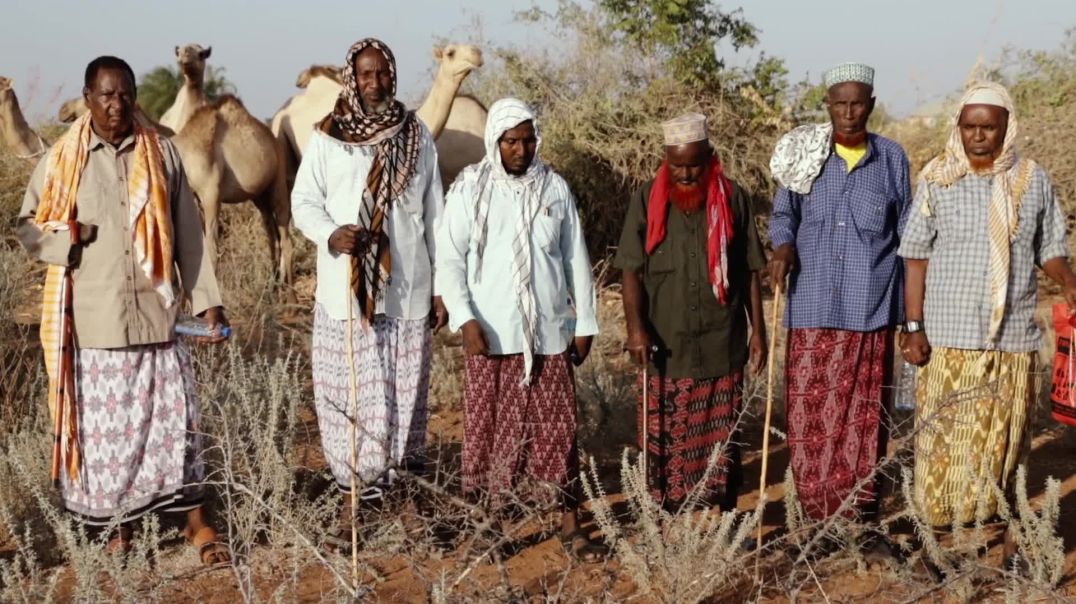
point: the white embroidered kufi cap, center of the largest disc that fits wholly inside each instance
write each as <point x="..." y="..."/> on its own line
<point x="687" y="128"/>
<point x="849" y="72"/>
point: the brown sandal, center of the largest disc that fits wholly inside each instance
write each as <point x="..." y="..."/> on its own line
<point x="212" y="551"/>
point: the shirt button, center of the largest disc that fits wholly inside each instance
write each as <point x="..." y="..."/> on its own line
<point x="840" y="224"/>
<point x="692" y="307"/>
<point x="692" y="254"/>
<point x="691" y="284"/>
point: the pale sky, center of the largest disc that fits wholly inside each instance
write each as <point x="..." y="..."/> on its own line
<point x="922" y="49"/>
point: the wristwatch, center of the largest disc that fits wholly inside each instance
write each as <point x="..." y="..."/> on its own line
<point x="913" y="326"/>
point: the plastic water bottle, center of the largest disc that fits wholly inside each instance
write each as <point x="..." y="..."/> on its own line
<point x="906" y="387"/>
<point x="193" y="326"/>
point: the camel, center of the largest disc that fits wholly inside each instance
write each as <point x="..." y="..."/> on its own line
<point x="191" y="95"/>
<point x="462" y="141"/>
<point x="328" y="71"/>
<point x="15" y="133"/>
<point x="462" y="134"/>
<point x="72" y="109"/>
<point x="232" y="157"/>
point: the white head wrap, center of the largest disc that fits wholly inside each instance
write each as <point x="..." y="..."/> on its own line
<point x="504" y="115"/>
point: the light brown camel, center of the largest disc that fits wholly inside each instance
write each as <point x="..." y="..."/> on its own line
<point x="15" y="133"/>
<point x="191" y="95"/>
<point x="72" y="109"/>
<point x="462" y="142"/>
<point x="294" y="122"/>
<point x="232" y="157"/>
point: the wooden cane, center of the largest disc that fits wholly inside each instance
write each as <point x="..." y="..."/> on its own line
<point x="769" y="411"/>
<point x="646" y="420"/>
<point x="353" y="405"/>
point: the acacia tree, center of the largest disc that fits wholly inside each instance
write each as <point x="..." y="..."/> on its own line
<point x="158" y="88"/>
<point x="684" y="33"/>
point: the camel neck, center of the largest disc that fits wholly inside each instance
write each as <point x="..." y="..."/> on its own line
<point x="194" y="83"/>
<point x="16" y="133"/>
<point x="438" y="103"/>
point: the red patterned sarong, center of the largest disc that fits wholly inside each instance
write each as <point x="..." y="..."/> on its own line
<point x="834" y="386"/>
<point x="512" y="431"/>
<point x="688" y="419"/>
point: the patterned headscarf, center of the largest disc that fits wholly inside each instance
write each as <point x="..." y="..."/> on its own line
<point x="1011" y="175"/>
<point x="504" y="115"/>
<point x="395" y="134"/>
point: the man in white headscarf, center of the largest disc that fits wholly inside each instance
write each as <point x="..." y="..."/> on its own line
<point x="983" y="219"/>
<point x="514" y="273"/>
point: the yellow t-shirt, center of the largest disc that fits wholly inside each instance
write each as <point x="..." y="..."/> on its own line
<point x="851" y="155"/>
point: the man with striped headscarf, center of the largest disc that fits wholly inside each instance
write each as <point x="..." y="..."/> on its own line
<point x="368" y="194"/>
<point x="109" y="210"/>
<point x="511" y="233"/>
<point x="983" y="219"/>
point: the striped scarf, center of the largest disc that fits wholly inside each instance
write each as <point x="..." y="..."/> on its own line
<point x="1011" y="175"/>
<point x="395" y="134"/>
<point x="149" y="218"/>
<point x="504" y="115"/>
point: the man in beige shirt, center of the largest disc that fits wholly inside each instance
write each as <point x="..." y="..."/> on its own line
<point x="110" y="211"/>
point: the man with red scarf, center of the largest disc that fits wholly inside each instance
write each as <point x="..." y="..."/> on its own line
<point x="691" y="256"/>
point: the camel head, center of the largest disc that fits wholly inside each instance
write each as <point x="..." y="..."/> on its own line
<point x="7" y="93"/>
<point x="191" y="59"/>
<point x="457" y="61"/>
<point x="72" y="109"/>
<point x="327" y="71"/>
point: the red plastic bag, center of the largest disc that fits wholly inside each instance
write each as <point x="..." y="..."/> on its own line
<point x="1063" y="391"/>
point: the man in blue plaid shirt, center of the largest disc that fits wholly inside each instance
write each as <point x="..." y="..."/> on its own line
<point x="836" y="226"/>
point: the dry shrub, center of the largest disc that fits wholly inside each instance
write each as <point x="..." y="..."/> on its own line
<point x="601" y="102"/>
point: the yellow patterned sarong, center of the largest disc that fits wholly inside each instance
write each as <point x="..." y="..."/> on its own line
<point x="972" y="425"/>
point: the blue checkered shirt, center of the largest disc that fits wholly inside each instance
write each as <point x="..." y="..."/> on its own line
<point x="846" y="232"/>
<point x="954" y="238"/>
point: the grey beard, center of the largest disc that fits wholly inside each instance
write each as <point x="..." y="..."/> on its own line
<point x="381" y="107"/>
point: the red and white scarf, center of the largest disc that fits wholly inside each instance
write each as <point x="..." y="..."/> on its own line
<point x="718" y="222"/>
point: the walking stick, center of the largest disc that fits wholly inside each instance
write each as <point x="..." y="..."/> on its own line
<point x="646" y="413"/>
<point x="353" y="404"/>
<point x="769" y="412"/>
<point x="646" y="419"/>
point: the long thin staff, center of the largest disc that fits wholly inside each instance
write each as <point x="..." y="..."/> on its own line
<point x="353" y="403"/>
<point x="646" y="419"/>
<point x="777" y="295"/>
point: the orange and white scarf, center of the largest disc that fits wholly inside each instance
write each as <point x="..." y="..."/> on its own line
<point x="149" y="218"/>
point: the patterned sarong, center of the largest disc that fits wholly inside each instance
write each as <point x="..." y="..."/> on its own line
<point x="971" y="422"/>
<point x="835" y="393"/>
<point x="513" y="431"/>
<point x="688" y="419"/>
<point x="140" y="434"/>
<point x="392" y="361"/>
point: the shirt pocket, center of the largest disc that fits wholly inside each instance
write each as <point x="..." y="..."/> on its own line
<point x="660" y="263"/>
<point x="951" y="221"/>
<point x="871" y="212"/>
<point x="546" y="226"/>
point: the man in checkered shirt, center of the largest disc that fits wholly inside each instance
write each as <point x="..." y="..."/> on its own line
<point x="984" y="218"/>
<point x="836" y="226"/>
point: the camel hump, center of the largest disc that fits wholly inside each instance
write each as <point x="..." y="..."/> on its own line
<point x="473" y="99"/>
<point x="228" y="102"/>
